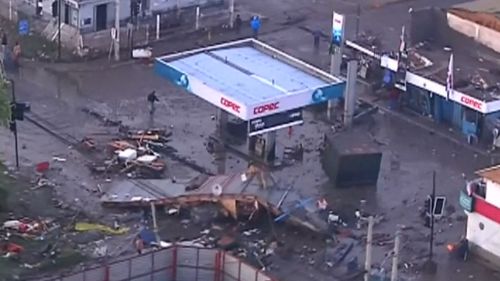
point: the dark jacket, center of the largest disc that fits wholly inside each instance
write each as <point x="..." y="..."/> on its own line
<point x="152" y="97"/>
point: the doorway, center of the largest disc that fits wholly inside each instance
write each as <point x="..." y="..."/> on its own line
<point x="66" y="13"/>
<point x="101" y="14"/>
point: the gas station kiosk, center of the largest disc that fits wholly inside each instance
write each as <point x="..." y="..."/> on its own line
<point x="264" y="87"/>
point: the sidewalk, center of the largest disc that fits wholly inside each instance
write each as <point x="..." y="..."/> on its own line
<point x="427" y="124"/>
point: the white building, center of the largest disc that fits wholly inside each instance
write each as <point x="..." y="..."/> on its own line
<point x="481" y="202"/>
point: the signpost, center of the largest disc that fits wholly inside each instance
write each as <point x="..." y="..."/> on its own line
<point x="336" y="47"/>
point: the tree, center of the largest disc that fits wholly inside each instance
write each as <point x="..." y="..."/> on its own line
<point x="4" y="103"/>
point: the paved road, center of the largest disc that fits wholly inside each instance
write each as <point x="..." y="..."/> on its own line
<point x="120" y="93"/>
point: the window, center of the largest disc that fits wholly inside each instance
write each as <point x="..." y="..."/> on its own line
<point x="481" y="226"/>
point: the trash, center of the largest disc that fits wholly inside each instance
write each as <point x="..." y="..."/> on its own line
<point x="147" y="236"/>
<point x="251" y="232"/>
<point x="244" y="177"/>
<point x="42" y="167"/>
<point x="26" y="226"/>
<point x="173" y="211"/>
<point x="338" y="254"/>
<point x="227" y="242"/>
<point x="127" y="154"/>
<point x="88" y="143"/>
<point x="42" y="182"/>
<point x="11" y="249"/>
<point x="147" y="159"/>
<point x="58" y="159"/>
<point x="101" y="250"/>
<point x="83" y="226"/>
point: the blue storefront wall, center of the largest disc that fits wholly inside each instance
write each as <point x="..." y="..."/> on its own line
<point x="441" y="109"/>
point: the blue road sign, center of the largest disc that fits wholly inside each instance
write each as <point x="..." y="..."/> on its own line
<point x="24" y="27"/>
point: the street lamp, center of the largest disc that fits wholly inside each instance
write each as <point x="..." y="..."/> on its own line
<point x="59" y="29"/>
<point x="13" y="125"/>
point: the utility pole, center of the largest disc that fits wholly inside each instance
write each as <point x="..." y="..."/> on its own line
<point x="430" y="265"/>
<point x="231" y="13"/>
<point x="158" y="27"/>
<point x="10" y="9"/>
<point x="358" y="19"/>
<point x="369" y="241"/>
<point x="14" y="124"/>
<point x="155" y="224"/>
<point x="395" y="257"/>
<point x="350" y="93"/>
<point x="433" y="199"/>
<point x="197" y="18"/>
<point x="58" y="29"/>
<point x="117" y="27"/>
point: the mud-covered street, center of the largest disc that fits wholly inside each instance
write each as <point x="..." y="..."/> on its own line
<point x="71" y="102"/>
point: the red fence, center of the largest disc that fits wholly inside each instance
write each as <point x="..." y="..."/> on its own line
<point x="171" y="264"/>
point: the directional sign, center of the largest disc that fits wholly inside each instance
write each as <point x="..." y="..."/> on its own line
<point x="24" y="27"/>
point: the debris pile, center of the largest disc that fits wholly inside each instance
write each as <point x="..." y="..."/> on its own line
<point x="134" y="154"/>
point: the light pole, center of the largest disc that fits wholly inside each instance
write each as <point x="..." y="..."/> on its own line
<point x="13" y="119"/>
<point x="59" y="29"/>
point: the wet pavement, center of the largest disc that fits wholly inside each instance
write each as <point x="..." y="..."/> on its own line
<point x="121" y="95"/>
<point x="410" y="153"/>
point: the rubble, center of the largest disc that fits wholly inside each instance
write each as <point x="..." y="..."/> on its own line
<point x="134" y="154"/>
<point x="83" y="226"/>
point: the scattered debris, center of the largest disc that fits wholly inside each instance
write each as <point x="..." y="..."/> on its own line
<point x="83" y="226"/>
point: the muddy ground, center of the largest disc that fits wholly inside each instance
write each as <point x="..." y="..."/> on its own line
<point x="59" y="93"/>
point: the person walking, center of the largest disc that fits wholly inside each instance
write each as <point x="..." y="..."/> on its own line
<point x="316" y="39"/>
<point x="152" y="98"/>
<point x="237" y="23"/>
<point x="255" y="25"/>
<point x="16" y="53"/>
<point x="4" y="43"/>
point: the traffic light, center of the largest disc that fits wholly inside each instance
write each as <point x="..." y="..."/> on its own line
<point x="18" y="109"/>
<point x="12" y="126"/>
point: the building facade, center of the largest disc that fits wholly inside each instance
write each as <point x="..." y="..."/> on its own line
<point x="481" y="202"/>
<point x="95" y="15"/>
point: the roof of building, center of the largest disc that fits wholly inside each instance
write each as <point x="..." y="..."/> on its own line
<point x="246" y="74"/>
<point x="491" y="173"/>
<point x="483" y="6"/>
<point x="475" y="68"/>
<point x="240" y="75"/>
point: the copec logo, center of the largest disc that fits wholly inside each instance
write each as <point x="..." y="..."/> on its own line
<point x="472" y="102"/>
<point x="266" y="107"/>
<point x="229" y="104"/>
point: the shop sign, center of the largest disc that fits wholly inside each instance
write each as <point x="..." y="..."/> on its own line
<point x="230" y="105"/>
<point x="471" y="102"/>
<point x="266" y="108"/>
<point x="466" y="201"/>
<point x="337" y="30"/>
<point x="275" y="121"/>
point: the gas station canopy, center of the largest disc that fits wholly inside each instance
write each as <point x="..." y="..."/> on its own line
<point x="249" y="79"/>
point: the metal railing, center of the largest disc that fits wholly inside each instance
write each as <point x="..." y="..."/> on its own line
<point x="177" y="263"/>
